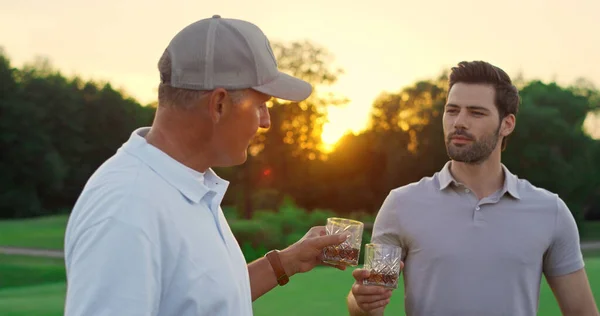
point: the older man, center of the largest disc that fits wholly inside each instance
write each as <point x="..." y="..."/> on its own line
<point x="147" y="235"/>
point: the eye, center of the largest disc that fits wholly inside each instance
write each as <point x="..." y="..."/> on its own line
<point x="451" y="110"/>
<point x="477" y="113"/>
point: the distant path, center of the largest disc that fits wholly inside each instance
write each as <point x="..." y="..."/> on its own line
<point x="586" y="245"/>
<point x="32" y="252"/>
<point x="590" y="245"/>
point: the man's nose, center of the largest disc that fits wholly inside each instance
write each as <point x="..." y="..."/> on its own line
<point x="265" y="117"/>
<point x="461" y="121"/>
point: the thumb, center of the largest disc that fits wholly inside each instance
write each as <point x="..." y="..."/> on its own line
<point x="329" y="240"/>
<point x="360" y="274"/>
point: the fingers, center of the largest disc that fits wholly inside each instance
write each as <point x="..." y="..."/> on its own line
<point x="320" y="239"/>
<point x="371" y="297"/>
<point x="317" y="231"/>
<point x="360" y="274"/>
<point x="375" y="305"/>
<point x="369" y="290"/>
<point x="328" y="240"/>
<point x="339" y="267"/>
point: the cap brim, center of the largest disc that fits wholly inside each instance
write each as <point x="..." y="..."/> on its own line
<point x="286" y="87"/>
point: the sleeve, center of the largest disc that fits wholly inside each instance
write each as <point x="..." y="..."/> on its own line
<point x="564" y="254"/>
<point x="386" y="226"/>
<point x="113" y="269"/>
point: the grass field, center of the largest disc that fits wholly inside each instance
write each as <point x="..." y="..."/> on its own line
<point x="42" y="232"/>
<point x="19" y="271"/>
<point x="48" y="232"/>
<point x="36" y="286"/>
<point x="320" y="292"/>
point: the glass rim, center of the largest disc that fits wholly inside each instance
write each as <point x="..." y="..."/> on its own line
<point x="378" y="245"/>
<point x="342" y="220"/>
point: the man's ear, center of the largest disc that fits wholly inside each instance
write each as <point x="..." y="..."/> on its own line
<point x="508" y="125"/>
<point x="216" y="104"/>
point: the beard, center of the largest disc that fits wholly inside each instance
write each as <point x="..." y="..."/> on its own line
<point x="476" y="152"/>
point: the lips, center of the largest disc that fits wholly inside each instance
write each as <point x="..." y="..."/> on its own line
<point x="459" y="138"/>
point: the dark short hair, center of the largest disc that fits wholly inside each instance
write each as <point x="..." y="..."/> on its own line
<point x="480" y="72"/>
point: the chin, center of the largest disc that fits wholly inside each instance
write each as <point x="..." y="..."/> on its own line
<point x="239" y="159"/>
<point x="242" y="160"/>
<point x="232" y="161"/>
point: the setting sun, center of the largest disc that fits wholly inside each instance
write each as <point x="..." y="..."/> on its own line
<point x="331" y="135"/>
<point x="341" y="120"/>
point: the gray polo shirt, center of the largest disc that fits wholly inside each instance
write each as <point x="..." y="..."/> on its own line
<point x="465" y="256"/>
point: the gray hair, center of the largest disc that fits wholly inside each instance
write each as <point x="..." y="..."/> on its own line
<point x="180" y="97"/>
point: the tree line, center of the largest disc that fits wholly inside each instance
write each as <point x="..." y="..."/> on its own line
<point x="55" y="131"/>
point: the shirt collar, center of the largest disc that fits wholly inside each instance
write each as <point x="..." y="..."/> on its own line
<point x="510" y="183"/>
<point x="192" y="184"/>
<point x="445" y="178"/>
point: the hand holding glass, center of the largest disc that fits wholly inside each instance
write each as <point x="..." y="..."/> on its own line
<point x="383" y="263"/>
<point x="347" y="252"/>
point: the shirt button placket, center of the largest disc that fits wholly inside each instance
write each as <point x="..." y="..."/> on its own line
<point x="477" y="214"/>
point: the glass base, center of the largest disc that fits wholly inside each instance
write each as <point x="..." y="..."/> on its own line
<point x="391" y="286"/>
<point x="389" y="281"/>
<point x="341" y="262"/>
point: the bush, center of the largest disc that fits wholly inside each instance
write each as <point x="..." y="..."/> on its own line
<point x="252" y="253"/>
<point x="265" y="199"/>
<point x="289" y="220"/>
<point x="230" y="212"/>
<point x="269" y="230"/>
<point x="319" y="217"/>
<point x="256" y="233"/>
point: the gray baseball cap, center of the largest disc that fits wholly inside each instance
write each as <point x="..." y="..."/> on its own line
<point x="230" y="54"/>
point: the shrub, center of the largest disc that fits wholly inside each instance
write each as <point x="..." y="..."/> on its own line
<point x="230" y="212"/>
<point x="265" y="199"/>
<point x="319" y="217"/>
<point x="269" y="230"/>
<point x="256" y="233"/>
<point x="252" y="253"/>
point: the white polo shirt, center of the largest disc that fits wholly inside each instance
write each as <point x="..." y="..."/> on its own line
<point x="147" y="237"/>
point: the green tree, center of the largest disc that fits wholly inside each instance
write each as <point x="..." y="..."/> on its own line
<point x="54" y="132"/>
<point x="407" y="135"/>
<point x="29" y="164"/>
<point x="549" y="146"/>
<point x="294" y="138"/>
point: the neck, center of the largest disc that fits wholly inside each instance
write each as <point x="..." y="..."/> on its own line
<point x="483" y="179"/>
<point x="179" y="137"/>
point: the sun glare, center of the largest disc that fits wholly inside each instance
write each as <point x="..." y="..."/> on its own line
<point x="331" y="135"/>
<point x="341" y="120"/>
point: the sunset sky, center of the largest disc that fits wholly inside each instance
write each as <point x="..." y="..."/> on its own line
<point x="382" y="45"/>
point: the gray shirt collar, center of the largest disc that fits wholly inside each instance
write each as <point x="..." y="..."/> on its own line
<point x="445" y="178"/>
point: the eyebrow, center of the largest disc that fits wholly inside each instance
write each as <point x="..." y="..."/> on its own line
<point x="470" y="107"/>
